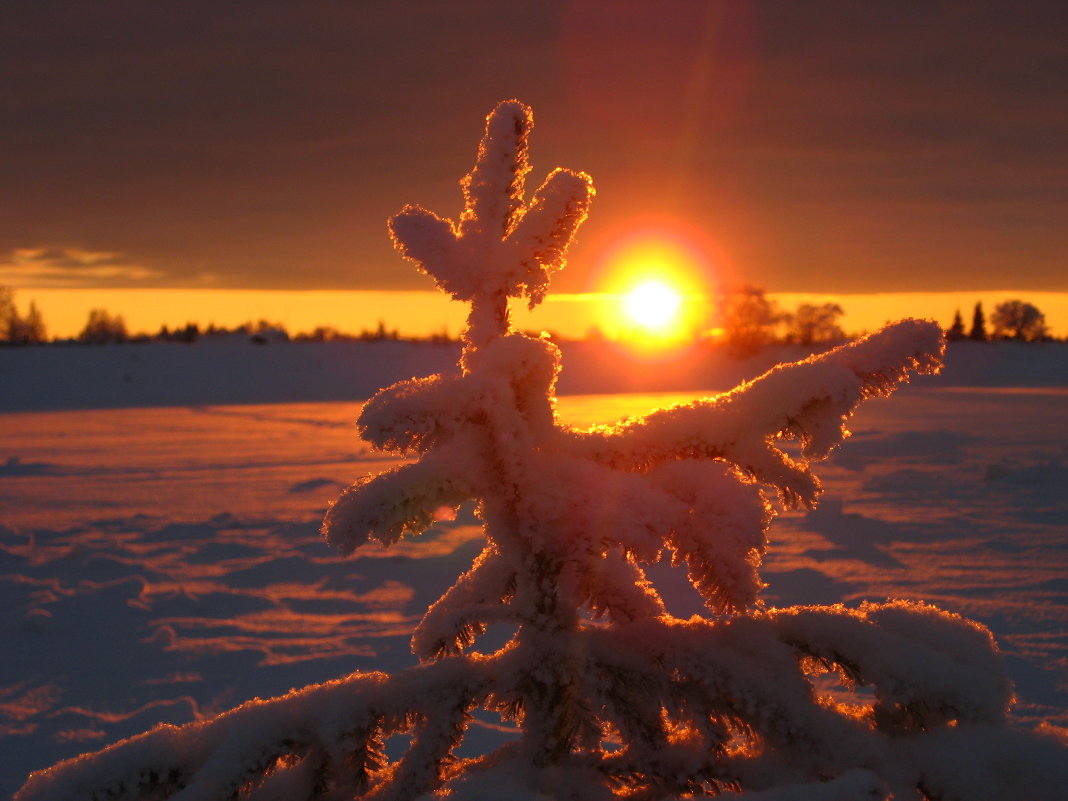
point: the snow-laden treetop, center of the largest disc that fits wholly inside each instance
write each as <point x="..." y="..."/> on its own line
<point x="502" y="246"/>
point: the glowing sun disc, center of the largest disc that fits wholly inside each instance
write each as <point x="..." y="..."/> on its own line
<point x="653" y="305"/>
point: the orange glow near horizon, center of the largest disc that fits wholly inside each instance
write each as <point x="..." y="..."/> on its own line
<point x="423" y="313"/>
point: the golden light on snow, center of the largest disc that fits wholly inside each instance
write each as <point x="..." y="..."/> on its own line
<point x="653" y="305"/>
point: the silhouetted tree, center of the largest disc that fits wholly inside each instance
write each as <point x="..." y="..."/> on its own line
<point x="8" y="313"/>
<point x="264" y="331"/>
<point x="955" y="333"/>
<point x="748" y="318"/>
<point x="16" y="329"/>
<point x="189" y="334"/>
<point x="380" y="333"/>
<point x="322" y="333"/>
<point x="1017" y="319"/>
<point x="28" y="330"/>
<point x="812" y="324"/>
<point x="978" y="330"/>
<point x="103" y="326"/>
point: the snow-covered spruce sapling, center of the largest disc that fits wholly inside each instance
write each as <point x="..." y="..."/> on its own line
<point x="614" y="697"/>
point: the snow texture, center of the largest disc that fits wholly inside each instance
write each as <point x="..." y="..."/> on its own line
<point x="614" y="696"/>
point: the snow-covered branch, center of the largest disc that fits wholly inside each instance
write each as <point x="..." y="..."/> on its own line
<point x="321" y="741"/>
<point x="810" y="401"/>
<point x="407" y="499"/>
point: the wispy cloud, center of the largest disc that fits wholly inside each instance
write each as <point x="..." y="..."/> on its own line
<point x="70" y="267"/>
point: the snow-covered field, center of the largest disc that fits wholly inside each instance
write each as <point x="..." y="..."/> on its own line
<point x="161" y="561"/>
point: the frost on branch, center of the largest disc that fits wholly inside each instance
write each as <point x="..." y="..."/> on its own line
<point x="615" y="698"/>
<point x="501" y="246"/>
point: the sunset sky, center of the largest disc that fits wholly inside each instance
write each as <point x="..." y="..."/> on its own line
<point x="824" y="147"/>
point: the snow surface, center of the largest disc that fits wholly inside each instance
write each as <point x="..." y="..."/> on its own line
<point x="163" y="564"/>
<point x="234" y="371"/>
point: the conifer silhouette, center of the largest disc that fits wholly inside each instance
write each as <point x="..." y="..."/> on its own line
<point x="615" y="698"/>
<point x="955" y="332"/>
<point x="977" y="333"/>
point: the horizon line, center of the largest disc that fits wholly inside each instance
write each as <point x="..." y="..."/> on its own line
<point x="422" y="312"/>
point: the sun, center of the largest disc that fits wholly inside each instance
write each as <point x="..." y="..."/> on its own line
<point x="655" y="284"/>
<point x="653" y="305"/>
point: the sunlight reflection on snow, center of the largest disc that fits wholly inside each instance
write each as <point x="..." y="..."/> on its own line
<point x="167" y="563"/>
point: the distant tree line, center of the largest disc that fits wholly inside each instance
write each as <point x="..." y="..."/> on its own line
<point x="104" y="327"/>
<point x="746" y="319"/>
<point x="1012" y="319"/>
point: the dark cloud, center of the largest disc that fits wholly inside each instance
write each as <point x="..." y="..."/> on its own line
<point x="828" y="146"/>
<point x="72" y="267"/>
<point x="66" y="259"/>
